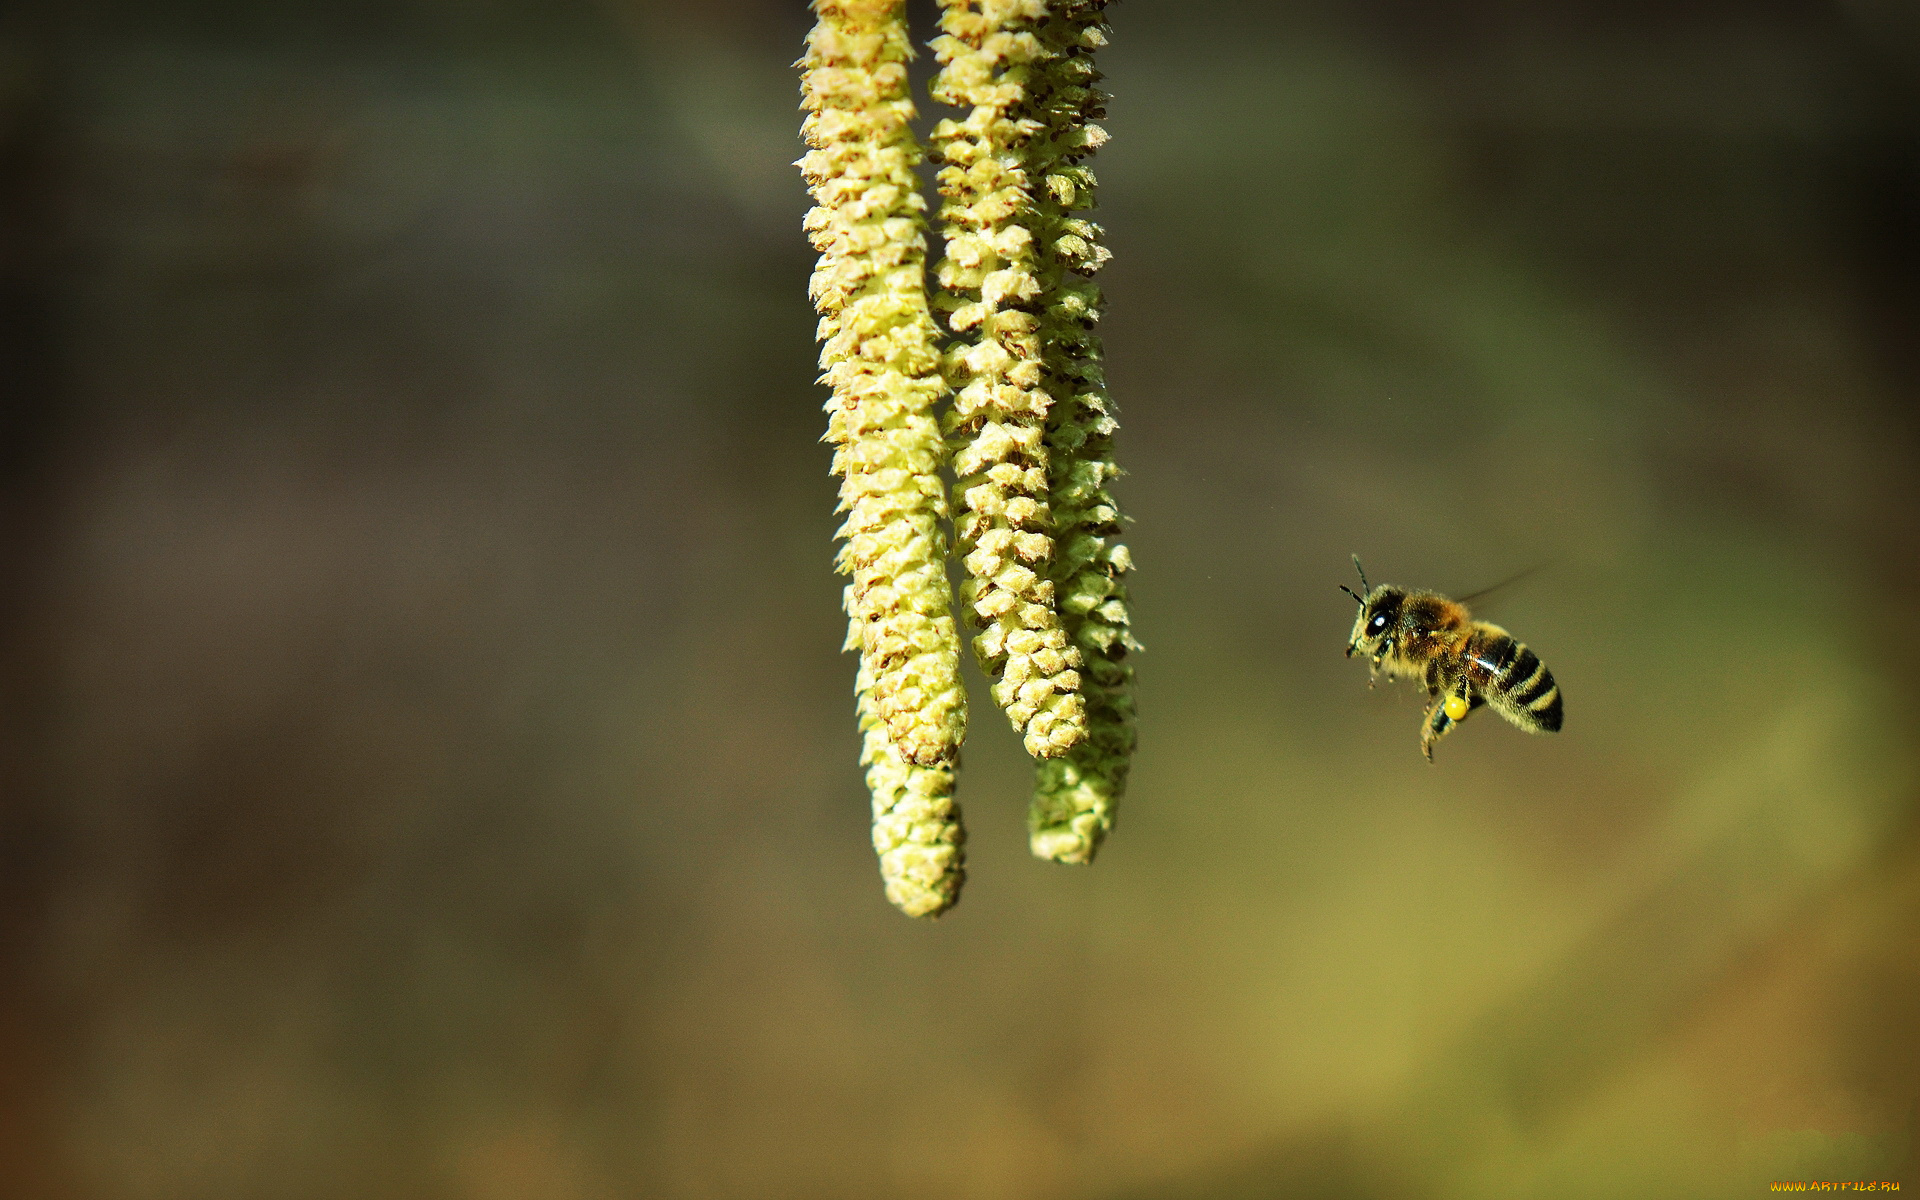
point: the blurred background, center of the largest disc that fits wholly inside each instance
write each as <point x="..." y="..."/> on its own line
<point x="427" y="769"/>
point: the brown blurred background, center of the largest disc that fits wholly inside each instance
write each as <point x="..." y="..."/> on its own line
<point x="428" y="770"/>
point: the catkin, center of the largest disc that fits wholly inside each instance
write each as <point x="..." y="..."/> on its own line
<point x="880" y="353"/>
<point x="1076" y="796"/>
<point x="916" y="823"/>
<point x="990" y="52"/>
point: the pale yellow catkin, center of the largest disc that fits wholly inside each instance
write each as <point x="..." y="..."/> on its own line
<point x="990" y="51"/>
<point x="916" y="823"/>
<point x="1076" y="796"/>
<point x="880" y="352"/>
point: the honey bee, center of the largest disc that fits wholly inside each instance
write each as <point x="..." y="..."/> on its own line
<point x="1464" y="663"/>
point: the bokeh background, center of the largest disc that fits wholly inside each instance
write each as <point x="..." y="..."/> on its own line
<point x="428" y="767"/>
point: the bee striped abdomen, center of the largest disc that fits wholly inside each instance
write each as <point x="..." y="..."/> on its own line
<point x="1516" y="683"/>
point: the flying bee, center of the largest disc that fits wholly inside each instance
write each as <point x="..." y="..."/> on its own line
<point x="1464" y="663"/>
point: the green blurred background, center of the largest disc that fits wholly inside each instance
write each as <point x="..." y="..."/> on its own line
<point x="428" y="770"/>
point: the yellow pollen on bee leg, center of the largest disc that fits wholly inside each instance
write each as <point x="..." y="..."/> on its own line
<point x="1456" y="707"/>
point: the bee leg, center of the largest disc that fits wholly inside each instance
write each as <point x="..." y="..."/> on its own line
<point x="1373" y="668"/>
<point x="1434" y="726"/>
<point x="1461" y="700"/>
<point x="1449" y="702"/>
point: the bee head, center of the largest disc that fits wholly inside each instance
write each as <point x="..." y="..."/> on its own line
<point x="1379" y="610"/>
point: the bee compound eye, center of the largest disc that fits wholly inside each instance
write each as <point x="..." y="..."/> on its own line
<point x="1378" y="623"/>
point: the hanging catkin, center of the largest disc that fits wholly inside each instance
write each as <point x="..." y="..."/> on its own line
<point x="880" y="351"/>
<point x="1028" y="436"/>
<point x="1076" y="796"/>
<point x="991" y="53"/>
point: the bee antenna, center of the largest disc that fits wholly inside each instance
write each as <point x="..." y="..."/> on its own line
<point x="1357" y="598"/>
<point x="1364" y="585"/>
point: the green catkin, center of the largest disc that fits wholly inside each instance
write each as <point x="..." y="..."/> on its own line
<point x="1075" y="797"/>
<point x="880" y="353"/>
<point x="990" y="51"/>
<point x="916" y="824"/>
<point x="1030" y="429"/>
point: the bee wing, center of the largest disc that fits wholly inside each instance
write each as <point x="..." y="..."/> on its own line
<point x="1502" y="586"/>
